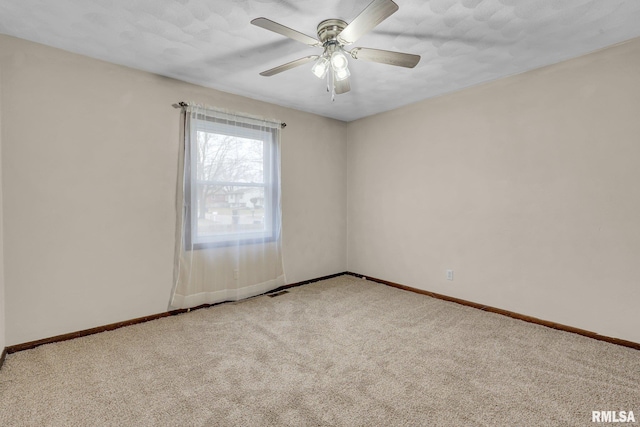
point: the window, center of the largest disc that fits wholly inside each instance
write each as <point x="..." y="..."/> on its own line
<point x="233" y="190"/>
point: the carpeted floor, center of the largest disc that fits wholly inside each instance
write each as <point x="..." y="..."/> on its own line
<point x="343" y="352"/>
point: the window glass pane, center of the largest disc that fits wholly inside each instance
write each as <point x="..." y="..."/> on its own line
<point x="233" y="184"/>
<point x="228" y="209"/>
<point x="225" y="158"/>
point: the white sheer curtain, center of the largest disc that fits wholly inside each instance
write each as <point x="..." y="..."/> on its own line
<point x="228" y="233"/>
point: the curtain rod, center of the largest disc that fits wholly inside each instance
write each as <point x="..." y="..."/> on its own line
<point x="182" y="104"/>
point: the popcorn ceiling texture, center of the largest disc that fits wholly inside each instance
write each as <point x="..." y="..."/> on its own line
<point x="211" y="42"/>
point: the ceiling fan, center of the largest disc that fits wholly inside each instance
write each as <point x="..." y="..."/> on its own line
<point x="333" y="36"/>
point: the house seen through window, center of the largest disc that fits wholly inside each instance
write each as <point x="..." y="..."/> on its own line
<point x="233" y="190"/>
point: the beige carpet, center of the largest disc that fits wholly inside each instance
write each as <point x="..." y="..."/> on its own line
<point x="339" y="352"/>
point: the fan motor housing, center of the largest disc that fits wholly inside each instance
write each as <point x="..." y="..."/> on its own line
<point x="329" y="29"/>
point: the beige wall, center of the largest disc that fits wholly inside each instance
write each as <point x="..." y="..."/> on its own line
<point x="527" y="187"/>
<point x="89" y="165"/>
<point x="2" y="304"/>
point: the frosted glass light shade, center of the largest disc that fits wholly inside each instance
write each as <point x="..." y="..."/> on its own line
<point x="338" y="61"/>
<point x="320" y="67"/>
<point x="342" y="74"/>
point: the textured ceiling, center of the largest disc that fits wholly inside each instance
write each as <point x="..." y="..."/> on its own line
<point x="211" y="42"/>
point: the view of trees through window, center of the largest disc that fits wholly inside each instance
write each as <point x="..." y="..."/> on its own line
<point x="231" y="185"/>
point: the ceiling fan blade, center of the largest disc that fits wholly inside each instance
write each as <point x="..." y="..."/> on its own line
<point x="372" y="15"/>
<point x="268" y="24"/>
<point x="289" y="65"/>
<point x="342" y="86"/>
<point x="385" y="57"/>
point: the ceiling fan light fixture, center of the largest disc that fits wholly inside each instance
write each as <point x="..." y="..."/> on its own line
<point x="320" y="67"/>
<point x="342" y="74"/>
<point x="339" y="60"/>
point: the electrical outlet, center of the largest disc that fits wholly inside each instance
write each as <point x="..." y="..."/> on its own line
<point x="236" y="274"/>
<point x="449" y="274"/>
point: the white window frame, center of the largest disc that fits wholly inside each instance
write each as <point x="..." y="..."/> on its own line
<point x="269" y="136"/>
